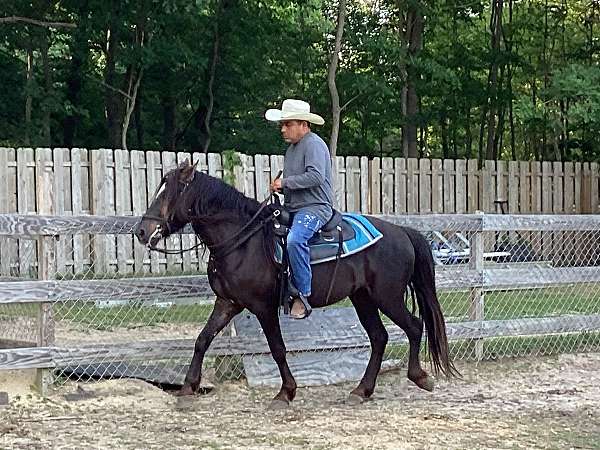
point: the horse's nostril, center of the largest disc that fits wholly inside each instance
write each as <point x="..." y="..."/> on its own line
<point x="140" y="233"/>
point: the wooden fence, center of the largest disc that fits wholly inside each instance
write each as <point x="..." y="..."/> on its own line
<point x="473" y="279"/>
<point x="72" y="182"/>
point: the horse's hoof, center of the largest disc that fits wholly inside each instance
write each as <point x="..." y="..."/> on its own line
<point x="184" y="391"/>
<point x="426" y="383"/>
<point x="278" y="405"/>
<point x="354" y="400"/>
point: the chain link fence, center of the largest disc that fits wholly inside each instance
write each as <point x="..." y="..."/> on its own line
<point x="18" y="321"/>
<point x="539" y="293"/>
<point x="508" y="285"/>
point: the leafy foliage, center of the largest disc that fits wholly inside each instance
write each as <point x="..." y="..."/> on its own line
<point x="68" y="86"/>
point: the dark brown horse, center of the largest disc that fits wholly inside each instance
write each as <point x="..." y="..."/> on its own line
<point x="242" y="273"/>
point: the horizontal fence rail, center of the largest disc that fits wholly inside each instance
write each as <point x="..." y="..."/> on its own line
<point x="502" y="279"/>
<point x="56" y="358"/>
<point x="13" y="292"/>
<point x="16" y="225"/>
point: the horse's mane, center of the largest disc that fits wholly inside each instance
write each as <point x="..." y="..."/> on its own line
<point x="212" y="198"/>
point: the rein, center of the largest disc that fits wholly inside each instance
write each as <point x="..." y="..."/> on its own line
<point x="221" y="246"/>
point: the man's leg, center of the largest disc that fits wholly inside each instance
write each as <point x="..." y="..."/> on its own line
<point x="303" y="228"/>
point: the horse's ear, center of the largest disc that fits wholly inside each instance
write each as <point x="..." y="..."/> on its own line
<point x="187" y="171"/>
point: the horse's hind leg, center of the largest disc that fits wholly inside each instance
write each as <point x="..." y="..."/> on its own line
<point x="398" y="312"/>
<point x="220" y="316"/>
<point x="368" y="315"/>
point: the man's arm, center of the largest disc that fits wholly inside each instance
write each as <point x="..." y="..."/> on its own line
<point x="316" y="161"/>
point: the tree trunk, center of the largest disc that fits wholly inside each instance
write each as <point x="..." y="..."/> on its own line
<point x="590" y="38"/>
<point x="534" y="145"/>
<point x="333" y="64"/>
<point x="136" y="72"/>
<point x="496" y="30"/>
<point x="484" y="113"/>
<point x="209" y="89"/>
<point x="453" y="127"/>
<point x="445" y="147"/>
<point x="198" y="131"/>
<point x="134" y="84"/>
<point x="414" y="40"/>
<point x="511" y="120"/>
<point x="29" y="99"/>
<point x="78" y="49"/>
<point x="499" y="137"/>
<point x="46" y="103"/>
<point x="402" y="66"/>
<point x="545" y="69"/>
<point x="139" y="125"/>
<point x="169" y="122"/>
<point x="468" y="135"/>
<point x="409" y="134"/>
<point x="202" y="117"/>
<point x="565" y="128"/>
<point x="564" y="105"/>
<point x="112" y="100"/>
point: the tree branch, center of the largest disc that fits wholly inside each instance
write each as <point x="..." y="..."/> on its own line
<point x="331" y="75"/>
<point x="130" y="104"/>
<point x="108" y="86"/>
<point x="345" y="105"/>
<point x="40" y="23"/>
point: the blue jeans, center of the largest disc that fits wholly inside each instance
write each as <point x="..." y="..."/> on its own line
<point x="304" y="226"/>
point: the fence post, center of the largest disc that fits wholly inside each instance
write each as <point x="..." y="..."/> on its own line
<point x="46" y="259"/>
<point x="477" y="295"/>
<point x="45" y="332"/>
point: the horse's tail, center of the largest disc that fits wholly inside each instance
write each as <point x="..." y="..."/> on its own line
<point x="423" y="283"/>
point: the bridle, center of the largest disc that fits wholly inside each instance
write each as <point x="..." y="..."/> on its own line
<point x="163" y="222"/>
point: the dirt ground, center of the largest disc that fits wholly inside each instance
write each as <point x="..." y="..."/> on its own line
<point x="551" y="402"/>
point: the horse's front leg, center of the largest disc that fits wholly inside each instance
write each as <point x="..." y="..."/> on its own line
<point x="221" y="315"/>
<point x="270" y="324"/>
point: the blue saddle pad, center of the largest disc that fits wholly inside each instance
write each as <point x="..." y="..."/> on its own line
<point x="365" y="235"/>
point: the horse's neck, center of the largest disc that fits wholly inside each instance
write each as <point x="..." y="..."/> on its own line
<point x="218" y="231"/>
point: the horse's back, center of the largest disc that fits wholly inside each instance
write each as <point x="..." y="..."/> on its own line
<point x="398" y="237"/>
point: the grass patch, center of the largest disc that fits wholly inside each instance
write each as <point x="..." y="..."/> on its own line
<point x="128" y="316"/>
<point x="502" y="305"/>
<point x="131" y="315"/>
<point x="495" y="348"/>
<point x="499" y="305"/>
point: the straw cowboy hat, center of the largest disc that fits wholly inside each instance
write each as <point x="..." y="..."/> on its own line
<point x="293" y="110"/>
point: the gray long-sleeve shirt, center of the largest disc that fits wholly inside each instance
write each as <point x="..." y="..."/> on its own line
<point x="307" y="182"/>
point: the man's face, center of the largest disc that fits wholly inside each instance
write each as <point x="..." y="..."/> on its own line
<point x="293" y="130"/>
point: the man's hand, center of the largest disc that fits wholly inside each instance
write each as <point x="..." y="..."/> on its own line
<point x="275" y="185"/>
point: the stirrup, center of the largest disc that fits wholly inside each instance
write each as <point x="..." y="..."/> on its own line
<point x="304" y="301"/>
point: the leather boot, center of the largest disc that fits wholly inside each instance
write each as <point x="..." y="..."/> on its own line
<point x="304" y="301"/>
